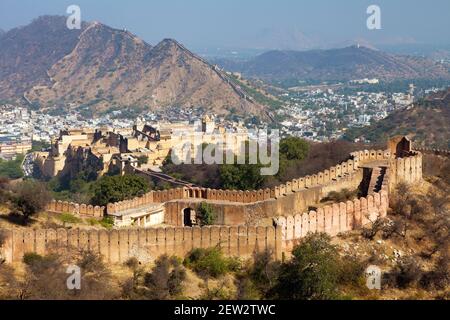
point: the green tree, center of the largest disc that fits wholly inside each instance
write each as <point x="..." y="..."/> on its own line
<point x="142" y="160"/>
<point x="30" y="197"/>
<point x="12" y="169"/>
<point x="110" y="189"/>
<point x="241" y="176"/>
<point x="313" y="272"/>
<point x="294" y="148"/>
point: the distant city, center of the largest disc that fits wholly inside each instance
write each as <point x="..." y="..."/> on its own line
<point x="318" y="113"/>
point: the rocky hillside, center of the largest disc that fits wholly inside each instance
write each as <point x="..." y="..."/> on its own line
<point x="337" y="64"/>
<point x="427" y="123"/>
<point x="103" y="67"/>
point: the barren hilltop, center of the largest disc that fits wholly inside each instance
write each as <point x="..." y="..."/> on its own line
<point x="48" y="65"/>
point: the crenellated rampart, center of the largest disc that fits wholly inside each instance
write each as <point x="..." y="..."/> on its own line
<point x="118" y="246"/>
<point x="242" y="216"/>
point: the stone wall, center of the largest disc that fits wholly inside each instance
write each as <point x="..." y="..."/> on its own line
<point x="235" y="207"/>
<point x="438" y="152"/>
<point x="117" y="246"/>
<point x="75" y="208"/>
<point x="407" y="169"/>
<point x="332" y="219"/>
<point x="296" y="194"/>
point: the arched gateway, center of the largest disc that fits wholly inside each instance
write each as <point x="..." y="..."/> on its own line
<point x="189" y="217"/>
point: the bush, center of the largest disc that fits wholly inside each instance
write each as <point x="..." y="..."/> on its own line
<point x="406" y="273"/>
<point x="107" y="222"/>
<point x="258" y="277"/>
<point x="210" y="262"/>
<point x="46" y="277"/>
<point x="439" y="277"/>
<point x="32" y="258"/>
<point x="241" y="176"/>
<point x="166" y="279"/>
<point x="2" y="238"/>
<point x="142" y="160"/>
<point x="341" y="196"/>
<point x="68" y="218"/>
<point x="206" y="214"/>
<point x="264" y="271"/>
<point x="313" y="272"/>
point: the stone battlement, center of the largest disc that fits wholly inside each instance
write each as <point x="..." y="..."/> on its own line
<point x="242" y="226"/>
<point x="145" y="244"/>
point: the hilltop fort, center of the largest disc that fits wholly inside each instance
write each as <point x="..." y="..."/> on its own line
<point x="163" y="222"/>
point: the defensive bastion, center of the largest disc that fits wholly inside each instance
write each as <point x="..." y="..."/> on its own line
<point x="246" y="221"/>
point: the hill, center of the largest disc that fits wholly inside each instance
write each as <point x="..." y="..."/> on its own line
<point x="342" y="64"/>
<point x="50" y="65"/>
<point x="427" y="123"/>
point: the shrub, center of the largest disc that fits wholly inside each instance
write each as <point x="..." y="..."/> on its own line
<point x="341" y="196"/>
<point x="313" y="272"/>
<point x="263" y="271"/>
<point x="68" y="218"/>
<point x="406" y="273"/>
<point x="107" y="222"/>
<point x="46" y="277"/>
<point x="166" y="279"/>
<point x="210" y="262"/>
<point x="142" y="160"/>
<point x="11" y="169"/>
<point x="2" y="237"/>
<point x="241" y="176"/>
<point x="439" y="277"/>
<point x="32" y="258"/>
<point x="206" y="214"/>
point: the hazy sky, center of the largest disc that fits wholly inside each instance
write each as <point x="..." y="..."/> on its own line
<point x="264" y="23"/>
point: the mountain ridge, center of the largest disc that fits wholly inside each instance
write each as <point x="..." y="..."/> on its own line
<point x="105" y="67"/>
<point x="341" y="64"/>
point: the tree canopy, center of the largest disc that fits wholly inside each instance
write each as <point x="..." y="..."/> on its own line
<point x="11" y="169"/>
<point x="313" y="272"/>
<point x="241" y="176"/>
<point x="30" y="197"/>
<point x="118" y="188"/>
<point x="294" y="148"/>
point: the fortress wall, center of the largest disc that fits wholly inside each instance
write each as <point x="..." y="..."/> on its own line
<point x="75" y="209"/>
<point x="438" y="152"/>
<point x="227" y="213"/>
<point x="232" y="213"/>
<point x="350" y="181"/>
<point x="245" y="207"/>
<point x="344" y="175"/>
<point x="407" y="170"/>
<point x="117" y="246"/>
<point x="332" y="219"/>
